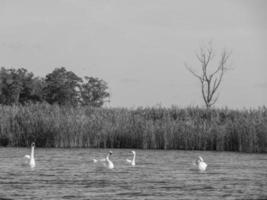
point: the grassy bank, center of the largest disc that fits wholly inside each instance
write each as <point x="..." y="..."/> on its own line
<point x="146" y="128"/>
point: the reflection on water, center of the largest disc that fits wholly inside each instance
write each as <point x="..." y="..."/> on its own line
<point x="71" y="174"/>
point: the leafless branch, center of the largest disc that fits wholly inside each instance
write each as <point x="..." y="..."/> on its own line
<point x="210" y="82"/>
<point x="192" y="71"/>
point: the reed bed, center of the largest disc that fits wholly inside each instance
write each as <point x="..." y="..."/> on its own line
<point x="145" y="128"/>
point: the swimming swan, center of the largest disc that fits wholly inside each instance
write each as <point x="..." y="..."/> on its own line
<point x="132" y="162"/>
<point x="31" y="157"/>
<point x="201" y="165"/>
<point x="106" y="161"/>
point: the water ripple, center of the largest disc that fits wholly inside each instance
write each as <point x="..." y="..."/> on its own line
<point x="71" y="174"/>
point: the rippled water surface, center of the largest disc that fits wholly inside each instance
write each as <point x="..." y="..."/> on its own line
<point x="71" y="174"/>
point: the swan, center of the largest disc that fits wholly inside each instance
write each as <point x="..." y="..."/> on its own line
<point x="106" y="161"/>
<point x="31" y="157"/>
<point x="201" y="165"/>
<point x="132" y="162"/>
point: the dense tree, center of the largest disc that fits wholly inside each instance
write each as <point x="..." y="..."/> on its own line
<point x="31" y="88"/>
<point x="10" y="86"/>
<point x="62" y="87"/>
<point x="19" y="86"/>
<point x="94" y="92"/>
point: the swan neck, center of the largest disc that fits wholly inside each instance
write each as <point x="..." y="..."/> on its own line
<point x="134" y="158"/>
<point x="32" y="153"/>
<point x="107" y="158"/>
<point x="110" y="164"/>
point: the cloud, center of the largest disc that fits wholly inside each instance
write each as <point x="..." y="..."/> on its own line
<point x="261" y="85"/>
<point x="19" y="45"/>
<point x="129" y="80"/>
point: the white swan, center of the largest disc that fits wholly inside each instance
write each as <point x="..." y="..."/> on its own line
<point x="106" y="161"/>
<point x="132" y="162"/>
<point x="31" y="157"/>
<point x="201" y="165"/>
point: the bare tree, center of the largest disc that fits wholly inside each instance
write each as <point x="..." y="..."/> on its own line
<point x="210" y="80"/>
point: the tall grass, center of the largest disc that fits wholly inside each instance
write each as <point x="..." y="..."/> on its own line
<point x="145" y="128"/>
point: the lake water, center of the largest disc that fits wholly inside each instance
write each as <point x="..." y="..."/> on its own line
<point x="71" y="174"/>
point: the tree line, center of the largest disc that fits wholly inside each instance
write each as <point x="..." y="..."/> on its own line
<point x="62" y="87"/>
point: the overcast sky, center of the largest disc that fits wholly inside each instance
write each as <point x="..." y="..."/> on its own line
<point x="139" y="47"/>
